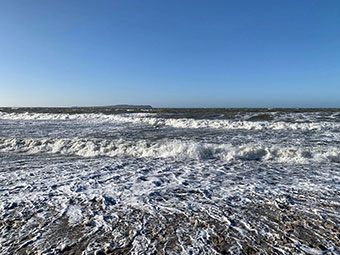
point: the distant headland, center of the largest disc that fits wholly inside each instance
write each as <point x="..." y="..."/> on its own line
<point x="129" y="106"/>
<point x="117" y="106"/>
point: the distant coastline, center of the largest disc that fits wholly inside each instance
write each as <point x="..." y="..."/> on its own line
<point x="127" y="106"/>
<point x="117" y="106"/>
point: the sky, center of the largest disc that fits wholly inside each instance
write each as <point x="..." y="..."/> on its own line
<point x="175" y="53"/>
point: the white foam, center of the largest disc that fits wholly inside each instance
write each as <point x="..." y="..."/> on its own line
<point x="201" y="184"/>
<point x="170" y="149"/>
<point x="75" y="215"/>
<point x="151" y="119"/>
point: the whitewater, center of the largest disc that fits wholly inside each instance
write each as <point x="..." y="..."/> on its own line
<point x="169" y="181"/>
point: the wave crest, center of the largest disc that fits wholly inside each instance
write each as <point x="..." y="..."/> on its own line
<point x="169" y="149"/>
<point x="153" y="120"/>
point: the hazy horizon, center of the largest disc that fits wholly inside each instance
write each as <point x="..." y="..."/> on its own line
<point x="165" y="107"/>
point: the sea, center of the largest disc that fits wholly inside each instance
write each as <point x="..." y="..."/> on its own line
<point x="99" y="180"/>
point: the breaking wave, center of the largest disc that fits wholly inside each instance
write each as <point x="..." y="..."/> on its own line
<point x="169" y="149"/>
<point x="153" y="120"/>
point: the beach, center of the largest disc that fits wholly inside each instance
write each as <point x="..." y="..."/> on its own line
<point x="169" y="181"/>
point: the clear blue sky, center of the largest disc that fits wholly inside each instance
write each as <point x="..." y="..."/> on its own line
<point x="175" y="53"/>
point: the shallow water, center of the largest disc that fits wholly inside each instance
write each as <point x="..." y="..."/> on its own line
<point x="169" y="181"/>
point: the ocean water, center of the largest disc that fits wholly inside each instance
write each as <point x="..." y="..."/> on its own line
<point x="169" y="181"/>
